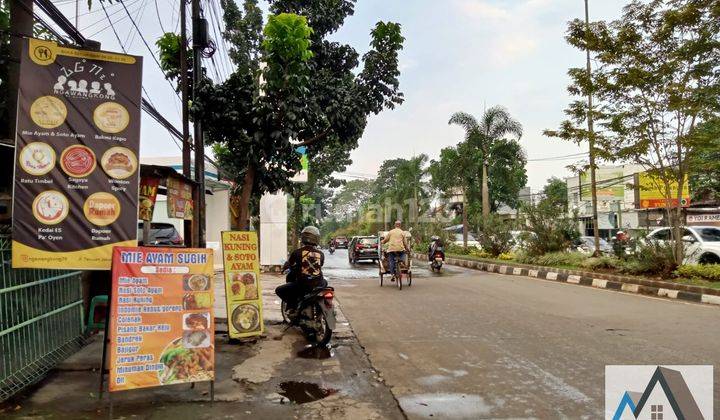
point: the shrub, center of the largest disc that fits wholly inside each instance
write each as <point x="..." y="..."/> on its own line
<point x="451" y="248"/>
<point x="556" y="259"/>
<point x="603" y="262"/>
<point x="508" y="256"/>
<point x="495" y="235"/>
<point x="552" y="230"/>
<point x="710" y="272"/>
<point x="653" y="257"/>
<point x="480" y="253"/>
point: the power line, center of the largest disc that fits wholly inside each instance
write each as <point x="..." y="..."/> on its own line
<point x="157" y="13"/>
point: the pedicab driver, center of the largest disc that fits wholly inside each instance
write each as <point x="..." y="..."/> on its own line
<point x="397" y="243"/>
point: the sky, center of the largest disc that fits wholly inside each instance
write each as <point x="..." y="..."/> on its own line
<point x="459" y="55"/>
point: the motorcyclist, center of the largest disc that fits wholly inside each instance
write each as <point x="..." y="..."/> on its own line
<point x="305" y="265"/>
<point x="435" y="243"/>
<point x="397" y="246"/>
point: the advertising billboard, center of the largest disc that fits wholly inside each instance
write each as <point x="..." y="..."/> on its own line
<point x="241" y="264"/>
<point x="76" y="157"/>
<point x="162" y="326"/>
<point x="651" y="192"/>
<point x="610" y="185"/>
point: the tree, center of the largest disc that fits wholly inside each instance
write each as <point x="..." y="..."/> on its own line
<point x="347" y="203"/>
<point x="555" y="193"/>
<point x="401" y="186"/>
<point x="656" y="79"/>
<point x="704" y="162"/>
<point x="256" y="123"/>
<point x="495" y="124"/>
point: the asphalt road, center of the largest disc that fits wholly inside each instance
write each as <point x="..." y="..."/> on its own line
<point x="468" y="344"/>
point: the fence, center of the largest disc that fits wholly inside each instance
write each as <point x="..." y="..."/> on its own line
<point x="41" y="321"/>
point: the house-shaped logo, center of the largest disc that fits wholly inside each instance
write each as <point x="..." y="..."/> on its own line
<point x="666" y="395"/>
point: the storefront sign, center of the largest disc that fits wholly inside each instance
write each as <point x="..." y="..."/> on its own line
<point x="302" y="175"/>
<point x="712" y="219"/>
<point x="242" y="283"/>
<point x="77" y="141"/>
<point x="162" y="326"/>
<point x="148" y="194"/>
<point x="651" y="192"/>
<point x="610" y="185"/>
<point x="179" y="199"/>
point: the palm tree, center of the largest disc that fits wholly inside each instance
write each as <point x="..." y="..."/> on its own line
<point x="495" y="124"/>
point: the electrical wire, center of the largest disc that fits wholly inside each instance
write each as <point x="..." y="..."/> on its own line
<point x="157" y="13"/>
<point x="138" y="16"/>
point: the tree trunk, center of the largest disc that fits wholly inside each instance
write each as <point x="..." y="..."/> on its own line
<point x="485" y="190"/>
<point x="679" y="244"/>
<point x="465" y="221"/>
<point x="244" y="202"/>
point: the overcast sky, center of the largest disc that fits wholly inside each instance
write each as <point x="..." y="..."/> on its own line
<point x="460" y="55"/>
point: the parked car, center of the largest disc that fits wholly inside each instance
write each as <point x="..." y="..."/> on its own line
<point x="161" y="234"/>
<point x="341" y="242"/>
<point x="456" y="234"/>
<point x="702" y="243"/>
<point x="586" y="245"/>
<point x="363" y="248"/>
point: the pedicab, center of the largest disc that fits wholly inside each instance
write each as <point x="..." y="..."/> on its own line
<point x="405" y="267"/>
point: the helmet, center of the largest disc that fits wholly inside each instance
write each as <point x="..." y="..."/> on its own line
<point x="310" y="235"/>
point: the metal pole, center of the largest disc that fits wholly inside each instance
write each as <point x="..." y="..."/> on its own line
<point x="187" y="224"/>
<point x="21" y="24"/>
<point x="199" y="215"/>
<point x="591" y="135"/>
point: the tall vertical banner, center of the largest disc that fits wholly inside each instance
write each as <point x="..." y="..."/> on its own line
<point x="243" y="293"/>
<point x="76" y="156"/>
<point x="162" y="327"/>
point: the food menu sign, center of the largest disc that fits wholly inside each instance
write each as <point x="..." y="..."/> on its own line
<point x="76" y="167"/>
<point x="242" y="283"/>
<point x="179" y="199"/>
<point x="161" y="317"/>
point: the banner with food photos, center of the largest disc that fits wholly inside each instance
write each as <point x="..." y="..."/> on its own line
<point x="162" y="326"/>
<point x="243" y="294"/>
<point x="76" y="149"/>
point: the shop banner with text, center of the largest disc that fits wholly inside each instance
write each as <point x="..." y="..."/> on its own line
<point x="243" y="293"/>
<point x="148" y="194"/>
<point x="76" y="156"/>
<point x="162" y="326"/>
<point x="179" y="199"/>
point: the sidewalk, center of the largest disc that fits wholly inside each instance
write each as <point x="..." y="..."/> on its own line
<point x="275" y="376"/>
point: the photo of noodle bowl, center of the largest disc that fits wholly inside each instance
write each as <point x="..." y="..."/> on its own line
<point x="185" y="364"/>
<point x="246" y="318"/>
<point x="119" y="162"/>
<point x="196" y="282"/>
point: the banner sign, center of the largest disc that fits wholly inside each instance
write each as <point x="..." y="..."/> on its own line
<point x="179" y="199"/>
<point x="148" y="195"/>
<point x="711" y="219"/>
<point x="76" y="168"/>
<point x="610" y="185"/>
<point x="651" y="192"/>
<point x="242" y="283"/>
<point x="162" y="326"/>
<point x="302" y="175"/>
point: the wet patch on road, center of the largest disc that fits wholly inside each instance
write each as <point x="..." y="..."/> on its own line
<point x="304" y="392"/>
<point x="445" y="405"/>
<point x="316" y="352"/>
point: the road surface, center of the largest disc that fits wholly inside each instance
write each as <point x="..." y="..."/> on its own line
<point x="469" y="344"/>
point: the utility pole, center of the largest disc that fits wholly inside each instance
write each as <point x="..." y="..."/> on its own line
<point x="187" y="224"/>
<point x="591" y="135"/>
<point x="21" y="24"/>
<point x="199" y="43"/>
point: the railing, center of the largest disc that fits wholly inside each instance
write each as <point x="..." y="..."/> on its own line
<point x="41" y="321"/>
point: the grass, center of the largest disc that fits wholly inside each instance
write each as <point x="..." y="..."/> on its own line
<point x="698" y="282"/>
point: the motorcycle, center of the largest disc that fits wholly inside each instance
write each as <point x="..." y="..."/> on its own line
<point x="315" y="315"/>
<point x="332" y="250"/>
<point x="437" y="258"/>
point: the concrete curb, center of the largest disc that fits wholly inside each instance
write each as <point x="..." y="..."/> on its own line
<point x="647" y="287"/>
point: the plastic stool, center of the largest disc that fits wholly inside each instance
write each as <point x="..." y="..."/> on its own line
<point x="99" y="300"/>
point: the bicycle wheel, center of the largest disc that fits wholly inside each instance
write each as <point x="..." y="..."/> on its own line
<point x="398" y="276"/>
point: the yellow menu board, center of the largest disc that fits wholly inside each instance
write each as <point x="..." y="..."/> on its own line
<point x="162" y="326"/>
<point x="243" y="293"/>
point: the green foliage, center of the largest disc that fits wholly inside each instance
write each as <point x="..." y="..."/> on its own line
<point x="555" y="193"/>
<point x="553" y="259"/>
<point x="495" y="236"/>
<point x="651" y="258"/>
<point x="604" y="262"/>
<point x="169" y="46"/>
<point x="552" y="231"/>
<point x="704" y="161"/>
<point x="287" y="39"/>
<point x="710" y="272"/>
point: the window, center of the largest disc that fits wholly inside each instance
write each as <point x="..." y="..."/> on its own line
<point x="661" y="235"/>
<point x="656" y="412"/>
<point x="709" y="234"/>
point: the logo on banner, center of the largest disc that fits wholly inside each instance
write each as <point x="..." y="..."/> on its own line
<point x="84" y="80"/>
